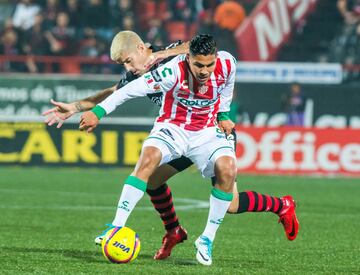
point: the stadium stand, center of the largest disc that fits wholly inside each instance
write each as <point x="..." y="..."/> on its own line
<point x="61" y="28"/>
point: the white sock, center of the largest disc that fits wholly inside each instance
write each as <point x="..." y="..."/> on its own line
<point x="130" y="195"/>
<point x="218" y="208"/>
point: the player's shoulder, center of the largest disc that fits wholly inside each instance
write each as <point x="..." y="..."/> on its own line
<point x="226" y="55"/>
<point x="174" y="63"/>
<point x="174" y="44"/>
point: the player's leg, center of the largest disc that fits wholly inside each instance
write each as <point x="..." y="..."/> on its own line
<point x="155" y="151"/>
<point x="161" y="197"/>
<point x="134" y="187"/>
<point x="214" y="155"/>
<point x="220" y="199"/>
<point x="251" y="201"/>
<point x="284" y="207"/>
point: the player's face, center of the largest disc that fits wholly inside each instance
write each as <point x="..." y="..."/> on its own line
<point x="202" y="66"/>
<point x="134" y="61"/>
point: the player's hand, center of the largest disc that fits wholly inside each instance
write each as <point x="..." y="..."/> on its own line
<point x="155" y="58"/>
<point x="226" y="126"/>
<point x="88" y="122"/>
<point x="61" y="112"/>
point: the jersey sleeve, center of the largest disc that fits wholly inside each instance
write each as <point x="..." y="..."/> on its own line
<point x="227" y="93"/>
<point x="159" y="80"/>
<point x="125" y="79"/>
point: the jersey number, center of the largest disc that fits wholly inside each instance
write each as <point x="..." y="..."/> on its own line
<point x="166" y="71"/>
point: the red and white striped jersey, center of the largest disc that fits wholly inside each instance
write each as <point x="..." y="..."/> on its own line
<point x="186" y="103"/>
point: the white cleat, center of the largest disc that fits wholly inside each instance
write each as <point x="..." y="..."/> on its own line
<point x="99" y="238"/>
<point x="203" y="247"/>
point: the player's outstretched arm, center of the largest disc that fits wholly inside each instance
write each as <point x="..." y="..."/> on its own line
<point x="60" y="112"/>
<point x="63" y="111"/>
<point x="91" y="101"/>
<point x="159" y="56"/>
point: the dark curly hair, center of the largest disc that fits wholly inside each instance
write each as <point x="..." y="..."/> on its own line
<point x="202" y="44"/>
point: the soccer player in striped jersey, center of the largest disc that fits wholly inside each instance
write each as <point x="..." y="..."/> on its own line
<point x="196" y="86"/>
<point x="133" y="58"/>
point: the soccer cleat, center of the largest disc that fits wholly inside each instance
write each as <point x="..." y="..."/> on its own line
<point x="288" y="218"/>
<point x="99" y="238"/>
<point x="203" y="247"/>
<point x="171" y="238"/>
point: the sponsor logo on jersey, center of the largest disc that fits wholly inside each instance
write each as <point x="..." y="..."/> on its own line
<point x="197" y="102"/>
<point x="156" y="88"/>
<point x="156" y="76"/>
<point x="167" y="132"/>
<point x="184" y="88"/>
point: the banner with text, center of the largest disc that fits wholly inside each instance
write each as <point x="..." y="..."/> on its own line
<point x="25" y="143"/>
<point x="269" y="26"/>
<point x="25" y="98"/>
<point x="288" y="72"/>
<point x="259" y="150"/>
<point x="298" y="151"/>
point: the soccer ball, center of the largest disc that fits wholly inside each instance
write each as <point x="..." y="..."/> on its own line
<point x="121" y="245"/>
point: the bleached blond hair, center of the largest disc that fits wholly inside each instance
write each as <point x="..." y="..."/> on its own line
<point x="124" y="41"/>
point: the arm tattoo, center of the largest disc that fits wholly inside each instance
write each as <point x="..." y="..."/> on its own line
<point x="79" y="107"/>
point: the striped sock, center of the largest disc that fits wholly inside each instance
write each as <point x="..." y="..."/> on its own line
<point x="251" y="201"/>
<point x="161" y="198"/>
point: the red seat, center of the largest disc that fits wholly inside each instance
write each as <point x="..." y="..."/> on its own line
<point x="176" y="31"/>
<point x="192" y="30"/>
<point x="147" y="9"/>
<point x="70" y="67"/>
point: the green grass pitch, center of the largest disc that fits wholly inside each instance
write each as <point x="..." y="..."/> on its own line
<point x="50" y="216"/>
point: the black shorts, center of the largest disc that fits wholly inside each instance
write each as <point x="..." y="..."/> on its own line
<point x="183" y="162"/>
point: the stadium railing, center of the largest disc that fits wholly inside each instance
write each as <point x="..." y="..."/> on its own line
<point x="67" y="64"/>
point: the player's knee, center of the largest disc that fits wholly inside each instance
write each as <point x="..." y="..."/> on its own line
<point x="225" y="171"/>
<point x="149" y="160"/>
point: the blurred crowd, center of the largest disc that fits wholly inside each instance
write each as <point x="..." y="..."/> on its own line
<point x="86" y="27"/>
<point x="345" y="48"/>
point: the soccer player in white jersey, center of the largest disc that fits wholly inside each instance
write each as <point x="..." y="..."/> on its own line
<point x="196" y="87"/>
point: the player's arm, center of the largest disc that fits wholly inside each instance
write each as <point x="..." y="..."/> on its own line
<point x="62" y="111"/>
<point x="160" y="80"/>
<point x="226" y="96"/>
<point x="159" y="56"/>
<point x="90" y="102"/>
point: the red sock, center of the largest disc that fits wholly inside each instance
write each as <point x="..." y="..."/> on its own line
<point x="162" y="201"/>
<point x="251" y="201"/>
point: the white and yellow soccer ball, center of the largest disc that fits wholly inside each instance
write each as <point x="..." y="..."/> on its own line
<point x="121" y="245"/>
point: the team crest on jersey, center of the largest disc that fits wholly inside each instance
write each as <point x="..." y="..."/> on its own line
<point x="203" y="89"/>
